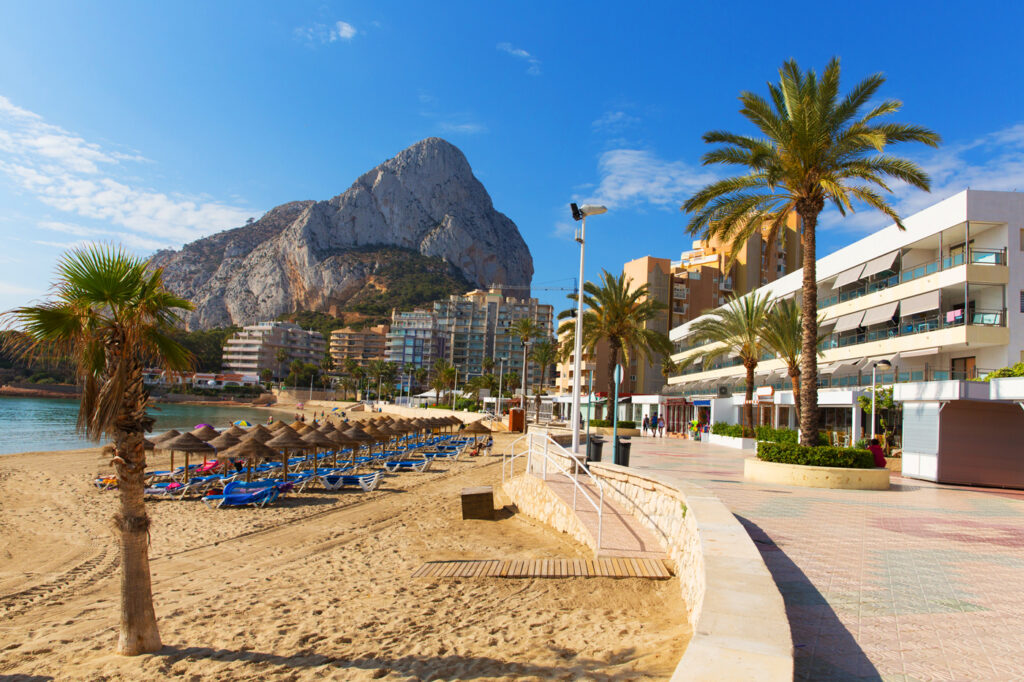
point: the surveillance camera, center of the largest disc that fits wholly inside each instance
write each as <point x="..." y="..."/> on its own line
<point x="576" y="215"/>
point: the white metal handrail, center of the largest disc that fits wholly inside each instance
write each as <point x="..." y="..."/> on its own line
<point x="541" y="445"/>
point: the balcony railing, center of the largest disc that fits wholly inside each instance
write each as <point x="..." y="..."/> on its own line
<point x="980" y="317"/>
<point x="978" y="256"/>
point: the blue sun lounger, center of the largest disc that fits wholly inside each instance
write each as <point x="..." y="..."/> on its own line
<point x="368" y="482"/>
<point x="240" y="494"/>
<point x="408" y="465"/>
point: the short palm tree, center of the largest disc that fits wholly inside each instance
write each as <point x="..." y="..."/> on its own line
<point x="617" y="313"/>
<point x="444" y="376"/>
<point x="113" y="318"/>
<point x="736" y="330"/>
<point x="487" y="365"/>
<point x="815" y="147"/>
<point x="545" y="354"/>
<point x="526" y="329"/>
<point x="668" y="367"/>
<point x="783" y="335"/>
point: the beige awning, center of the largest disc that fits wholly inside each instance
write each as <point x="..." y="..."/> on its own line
<point x="924" y="352"/>
<point x="837" y="366"/>
<point x="848" y="276"/>
<point x="880" y="264"/>
<point x="866" y="363"/>
<point x="848" y="322"/>
<point x="921" y="303"/>
<point x="879" y="314"/>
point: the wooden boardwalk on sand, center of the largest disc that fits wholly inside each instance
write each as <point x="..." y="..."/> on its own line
<point x="614" y="567"/>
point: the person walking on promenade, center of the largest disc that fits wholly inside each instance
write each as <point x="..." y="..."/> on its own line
<point x="647" y="423"/>
<point x="661" y="426"/>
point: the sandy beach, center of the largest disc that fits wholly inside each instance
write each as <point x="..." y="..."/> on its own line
<point x="317" y="586"/>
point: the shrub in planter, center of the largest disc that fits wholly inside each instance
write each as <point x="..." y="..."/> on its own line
<point x="600" y="422"/>
<point x="783" y="435"/>
<point x="817" y="456"/>
<point x="627" y="424"/>
<point x="623" y="423"/>
<point x="723" y="429"/>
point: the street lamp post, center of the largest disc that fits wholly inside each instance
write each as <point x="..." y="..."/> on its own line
<point x="884" y="364"/>
<point x="501" y="374"/>
<point x="579" y="214"/>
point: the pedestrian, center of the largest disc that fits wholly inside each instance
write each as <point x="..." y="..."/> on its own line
<point x="877" y="452"/>
<point x="661" y="427"/>
<point x="647" y="423"/>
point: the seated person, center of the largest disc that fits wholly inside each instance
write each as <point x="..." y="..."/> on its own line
<point x="878" y="453"/>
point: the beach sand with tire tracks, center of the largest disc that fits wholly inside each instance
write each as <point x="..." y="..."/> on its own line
<point x="317" y="586"/>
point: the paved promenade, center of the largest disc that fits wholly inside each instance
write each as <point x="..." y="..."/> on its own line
<point x="921" y="582"/>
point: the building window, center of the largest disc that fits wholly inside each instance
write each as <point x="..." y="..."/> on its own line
<point x="1022" y="239"/>
<point x="1022" y="301"/>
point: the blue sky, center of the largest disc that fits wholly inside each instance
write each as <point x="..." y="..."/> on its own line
<point x="153" y="125"/>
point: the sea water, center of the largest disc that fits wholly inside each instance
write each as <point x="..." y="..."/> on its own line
<point x="29" y="424"/>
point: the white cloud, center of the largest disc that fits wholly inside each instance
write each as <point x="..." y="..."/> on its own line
<point x="564" y="230"/>
<point x="991" y="162"/>
<point x="8" y="289"/>
<point x="466" y="128"/>
<point x="323" y="33"/>
<point x="533" y="64"/>
<point x="69" y="173"/>
<point x="614" y="121"/>
<point x="631" y="177"/>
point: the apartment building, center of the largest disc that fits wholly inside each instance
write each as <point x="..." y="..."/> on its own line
<point x="361" y="345"/>
<point x="257" y="347"/>
<point x="943" y="299"/>
<point x="414" y="339"/>
<point x="701" y="280"/>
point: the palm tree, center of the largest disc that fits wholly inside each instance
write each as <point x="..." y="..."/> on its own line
<point x="815" y="147"/>
<point x="347" y="384"/>
<point x="487" y="365"/>
<point x="525" y="328"/>
<point x="545" y="354"/>
<point x="113" y="318"/>
<point x="617" y="314"/>
<point x="420" y="375"/>
<point x="281" y="355"/>
<point x="668" y="367"/>
<point x="782" y="334"/>
<point x="445" y="375"/>
<point x="736" y="329"/>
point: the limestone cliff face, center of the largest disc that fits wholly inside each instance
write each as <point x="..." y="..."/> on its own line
<point x="298" y="255"/>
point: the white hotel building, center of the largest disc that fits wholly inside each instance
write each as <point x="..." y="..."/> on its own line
<point x="943" y="299"/>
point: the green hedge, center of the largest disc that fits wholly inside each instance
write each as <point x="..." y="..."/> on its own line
<point x="623" y="423"/>
<point x="818" y="456"/>
<point x="723" y="429"/>
<point x="783" y="435"/>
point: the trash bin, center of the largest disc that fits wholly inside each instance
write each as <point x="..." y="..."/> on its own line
<point x="622" y="451"/>
<point x="594" y="447"/>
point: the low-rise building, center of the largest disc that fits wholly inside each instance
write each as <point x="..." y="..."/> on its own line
<point x="273" y="346"/>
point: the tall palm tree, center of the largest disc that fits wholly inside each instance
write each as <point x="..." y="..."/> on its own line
<point x="545" y="354"/>
<point x="814" y="147"/>
<point x="487" y="365"/>
<point x="420" y="375"/>
<point x="444" y="376"/>
<point x="783" y="335"/>
<point x="281" y="355"/>
<point x="526" y="329"/>
<point x="736" y="330"/>
<point x="668" y="367"/>
<point x="617" y="313"/>
<point x="113" y="318"/>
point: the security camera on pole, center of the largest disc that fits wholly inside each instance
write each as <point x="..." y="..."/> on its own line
<point x="579" y="214"/>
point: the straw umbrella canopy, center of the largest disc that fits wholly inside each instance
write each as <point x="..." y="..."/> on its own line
<point x="167" y="435"/>
<point x="223" y="442"/>
<point x="249" y="449"/>
<point x="259" y="433"/>
<point x="286" y="441"/>
<point x="328" y="427"/>
<point x="205" y="433"/>
<point x="275" y="426"/>
<point x="236" y="431"/>
<point x="477" y="427"/>
<point x="185" y="443"/>
<point x="304" y="429"/>
<point x="317" y="441"/>
<point x="358" y="435"/>
<point x="296" y="424"/>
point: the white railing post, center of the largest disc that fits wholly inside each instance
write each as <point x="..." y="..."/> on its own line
<point x="600" y="519"/>
<point x="545" y="473"/>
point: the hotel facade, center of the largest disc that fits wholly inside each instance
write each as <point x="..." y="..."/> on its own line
<point x="256" y="348"/>
<point x="941" y="300"/>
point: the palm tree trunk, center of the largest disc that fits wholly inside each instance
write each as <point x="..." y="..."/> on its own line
<point x="525" y="360"/>
<point x="748" y="402"/>
<point x="139" y="632"/>
<point x="794" y="379"/>
<point x="809" y="345"/>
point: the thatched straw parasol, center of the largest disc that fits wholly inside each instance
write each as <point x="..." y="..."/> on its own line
<point x="317" y="441"/>
<point x="328" y="427"/>
<point x="477" y="427"/>
<point x="297" y="424"/>
<point x="236" y="431"/>
<point x="276" y="425"/>
<point x="250" y="450"/>
<point x="205" y="433"/>
<point x="259" y="433"/>
<point x="304" y="429"/>
<point x="223" y="442"/>
<point x="287" y="441"/>
<point x="186" y="443"/>
<point x="341" y="441"/>
<point x="167" y="435"/>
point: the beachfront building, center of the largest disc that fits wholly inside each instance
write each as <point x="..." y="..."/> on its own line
<point x="361" y="345"/>
<point x="477" y="325"/>
<point x="942" y="300"/>
<point x="273" y="346"/>
<point x="413" y="339"/>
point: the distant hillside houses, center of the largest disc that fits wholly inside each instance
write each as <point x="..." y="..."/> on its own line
<point x="162" y="378"/>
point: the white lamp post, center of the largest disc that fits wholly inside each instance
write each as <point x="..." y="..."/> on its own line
<point x="884" y="364"/>
<point x="501" y="374"/>
<point x="579" y="214"/>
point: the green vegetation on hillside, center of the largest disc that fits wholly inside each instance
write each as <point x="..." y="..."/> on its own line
<point x="207" y="345"/>
<point x="314" y="321"/>
<point x="411" y="279"/>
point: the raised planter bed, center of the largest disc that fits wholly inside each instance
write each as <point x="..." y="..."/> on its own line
<point x="730" y="441"/>
<point x="815" y="477"/>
